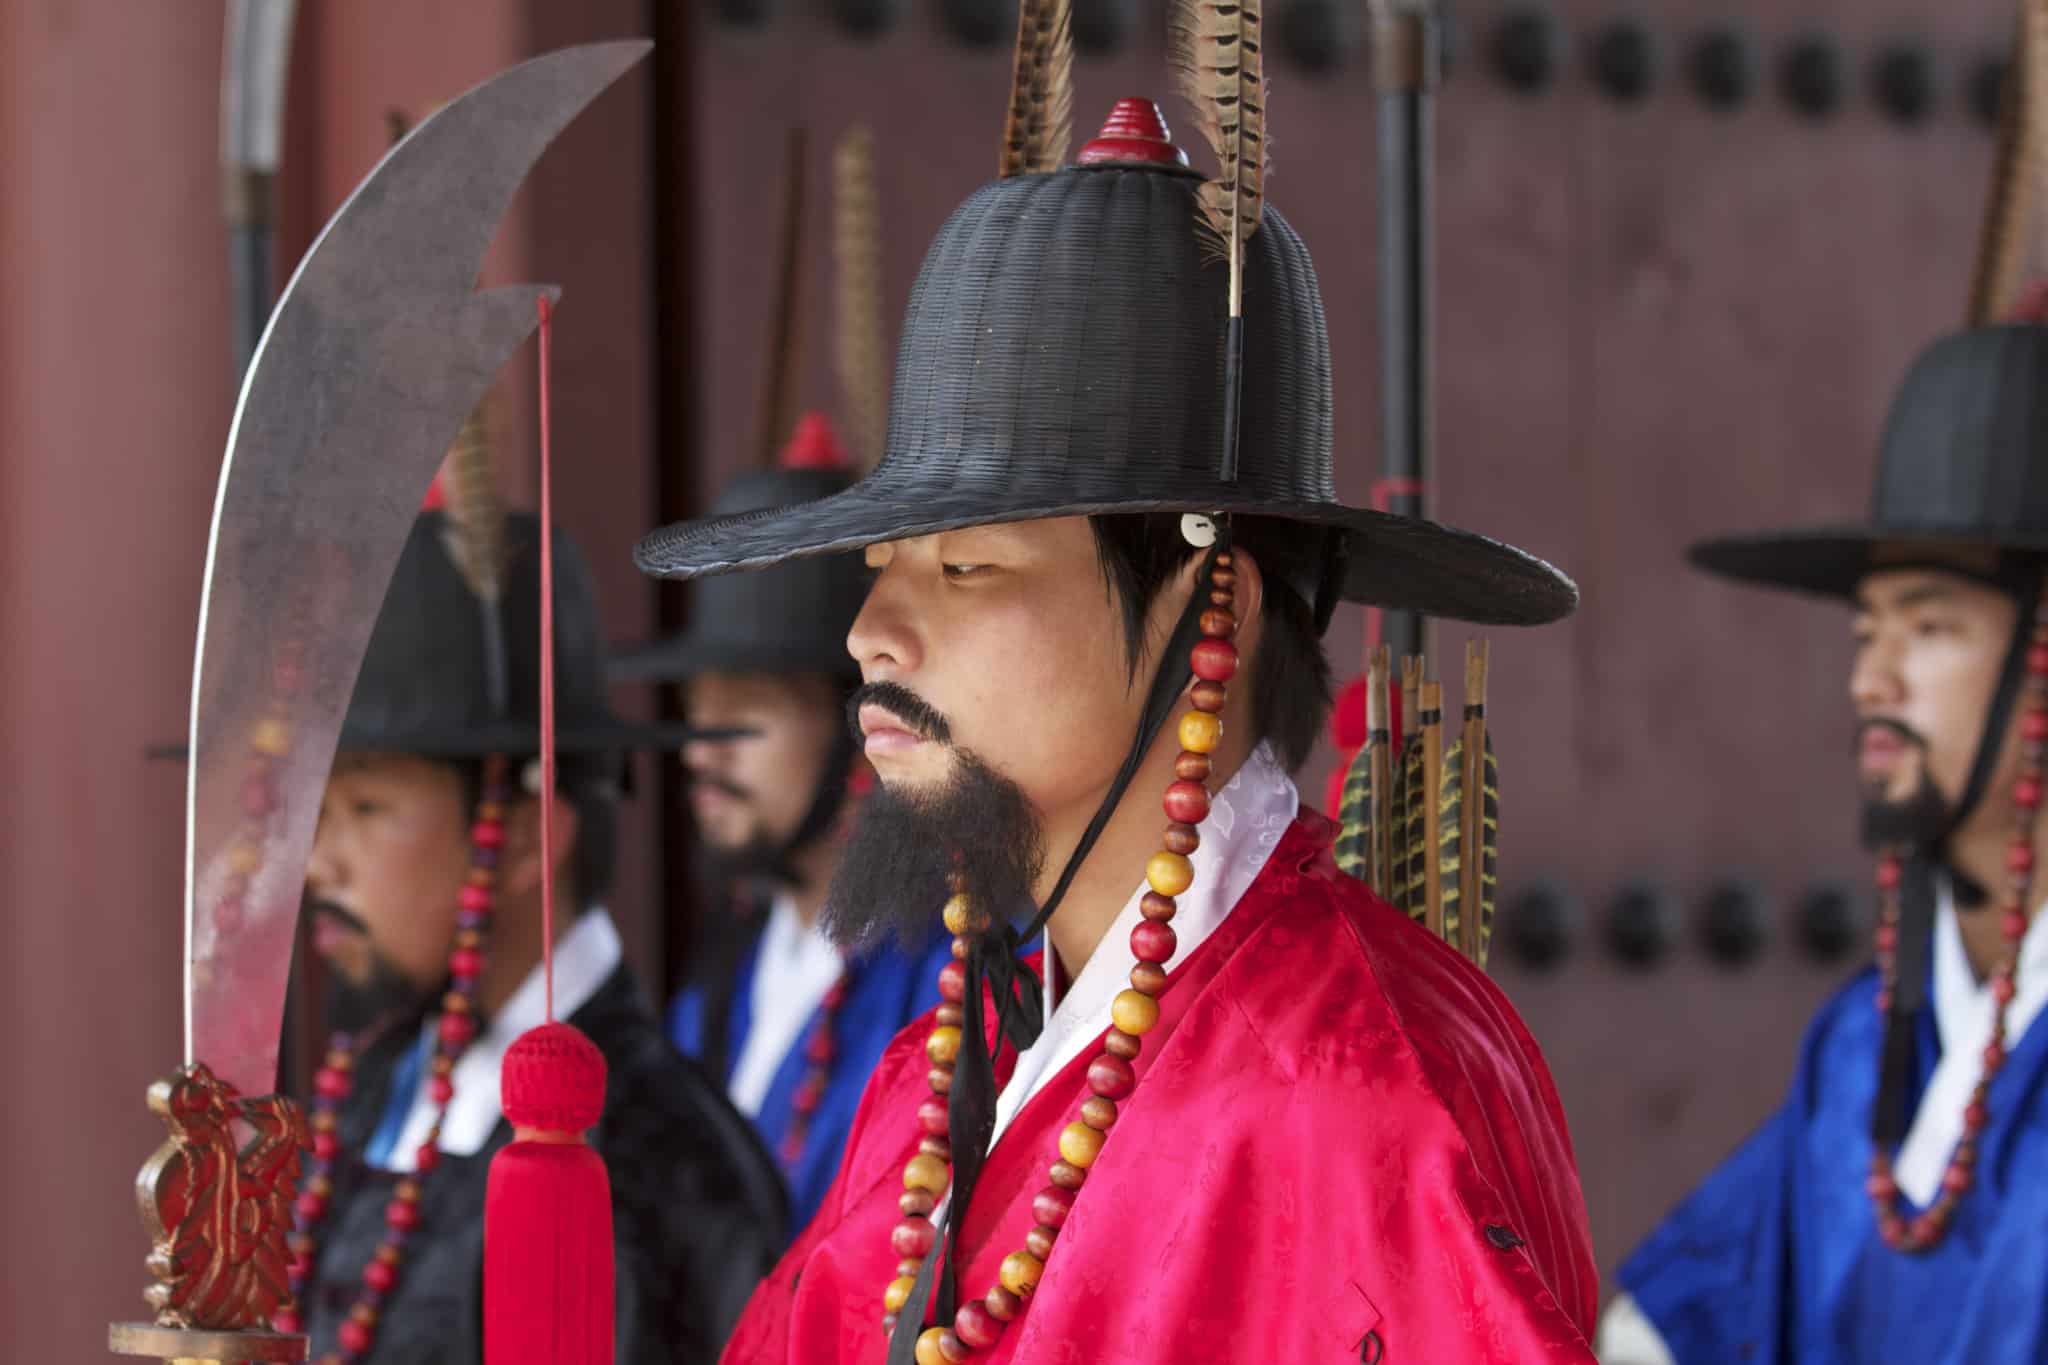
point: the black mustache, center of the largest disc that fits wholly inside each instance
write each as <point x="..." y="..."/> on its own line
<point x="1898" y="728"/>
<point x="348" y="918"/>
<point x="720" y="784"/>
<point x="918" y="715"/>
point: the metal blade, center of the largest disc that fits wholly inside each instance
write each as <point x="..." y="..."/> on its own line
<point x="377" y="350"/>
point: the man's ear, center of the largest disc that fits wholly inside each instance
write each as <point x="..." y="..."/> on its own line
<point x="519" y="867"/>
<point x="1248" y="600"/>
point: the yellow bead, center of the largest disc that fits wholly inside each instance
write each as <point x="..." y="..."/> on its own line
<point x="1020" y="1272"/>
<point x="1080" y="1145"/>
<point x="943" y="1045"/>
<point x="244" y="859"/>
<point x="929" y="1352"/>
<point x="898" y="1294"/>
<point x="1169" y="873"/>
<point x="962" y="916"/>
<point x="1134" y="1012"/>
<point x="1200" y="732"/>
<point x="273" y="738"/>
<point x="926" y="1172"/>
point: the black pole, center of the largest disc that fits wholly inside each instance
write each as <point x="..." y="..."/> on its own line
<point x="1407" y="67"/>
<point x="249" y="283"/>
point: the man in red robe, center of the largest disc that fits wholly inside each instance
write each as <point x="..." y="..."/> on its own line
<point x="1239" y="1109"/>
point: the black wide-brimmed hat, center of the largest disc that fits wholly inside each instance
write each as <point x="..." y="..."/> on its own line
<point x="1063" y="354"/>
<point x="792" y="618"/>
<point x="1960" y="466"/>
<point x="426" y="686"/>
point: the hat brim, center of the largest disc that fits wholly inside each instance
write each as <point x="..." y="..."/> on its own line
<point x="1403" y="563"/>
<point x="690" y="654"/>
<point x="1831" y="561"/>
<point x="484" y="741"/>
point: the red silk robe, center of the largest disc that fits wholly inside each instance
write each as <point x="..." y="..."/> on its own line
<point x="1341" y="1131"/>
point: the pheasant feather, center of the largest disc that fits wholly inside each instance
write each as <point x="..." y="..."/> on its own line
<point x="2011" y="218"/>
<point x="1468" y="927"/>
<point x="1215" y="47"/>
<point x="862" y="351"/>
<point x="1041" y="118"/>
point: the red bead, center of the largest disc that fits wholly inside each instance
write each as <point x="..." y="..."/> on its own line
<point x="1187" y="803"/>
<point x="403" y="1214"/>
<point x="1881" y="1187"/>
<point x="1957" y="1179"/>
<point x="466" y="962"/>
<point x="819" y="1048"/>
<point x="2037" y="661"/>
<point x="458" y="1029"/>
<point x="1884" y="1002"/>
<point x="809" y="1095"/>
<point x="487" y="834"/>
<point x="1888" y="874"/>
<point x="475" y="899"/>
<point x="1153" y="941"/>
<point x="380" y="1276"/>
<point x="953" y="982"/>
<point x="931" y="1116"/>
<point x="426" y="1158"/>
<point x="976" y="1326"/>
<point x="325" y="1146"/>
<point x="1893" y="1229"/>
<point x="1994" y="1056"/>
<point x="913" y="1237"/>
<point x="1216" y="660"/>
<point x="1111" y="1076"/>
<point x="2026" y="793"/>
<point x="1975" y="1116"/>
<point x="1051" y="1205"/>
<point x="2015" y="925"/>
<point x="442" y="1090"/>
<point x="2020" y="858"/>
<point x="332" y="1083"/>
<point x="836" y="997"/>
<point x="2034" y="726"/>
<point x="355" y="1336"/>
<point x="259" y="797"/>
<point x="1887" y="938"/>
<point x="310" y="1207"/>
<point x="2002" y="988"/>
<point x="287" y="1322"/>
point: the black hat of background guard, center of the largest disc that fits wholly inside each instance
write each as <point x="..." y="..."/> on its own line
<point x="1963" y="462"/>
<point x="789" y="619"/>
<point x="1063" y="354"/>
<point x="424" y="685"/>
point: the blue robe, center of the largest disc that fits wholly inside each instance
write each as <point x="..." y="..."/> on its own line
<point x="886" y="989"/>
<point x="1776" y="1258"/>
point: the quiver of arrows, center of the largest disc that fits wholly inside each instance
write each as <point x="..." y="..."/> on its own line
<point x="1408" y="826"/>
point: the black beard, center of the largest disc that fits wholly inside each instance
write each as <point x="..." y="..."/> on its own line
<point x="760" y="859"/>
<point x="1916" y="821"/>
<point x="385" y="998"/>
<point x="893" y="872"/>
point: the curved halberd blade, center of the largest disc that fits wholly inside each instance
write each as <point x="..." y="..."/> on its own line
<point x="377" y="349"/>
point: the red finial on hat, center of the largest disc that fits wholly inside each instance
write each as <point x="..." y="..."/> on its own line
<point x="1136" y="131"/>
<point x="435" y="499"/>
<point x="813" y="445"/>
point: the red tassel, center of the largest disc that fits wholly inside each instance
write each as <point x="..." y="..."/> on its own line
<point x="548" y="1211"/>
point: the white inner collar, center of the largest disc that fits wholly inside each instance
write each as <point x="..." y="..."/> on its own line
<point x="794" y="967"/>
<point x="1963" y="1012"/>
<point x="585" y="958"/>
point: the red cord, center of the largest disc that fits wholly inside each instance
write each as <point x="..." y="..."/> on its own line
<point x="547" y="678"/>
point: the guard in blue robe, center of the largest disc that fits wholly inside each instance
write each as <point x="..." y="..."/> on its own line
<point x="1896" y="1207"/>
<point x="768" y="1004"/>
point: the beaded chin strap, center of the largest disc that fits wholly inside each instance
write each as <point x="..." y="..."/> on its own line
<point x="1902" y="1229"/>
<point x="979" y="1324"/>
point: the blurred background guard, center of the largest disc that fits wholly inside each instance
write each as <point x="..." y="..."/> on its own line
<point x="792" y="1024"/>
<point x="424" y="891"/>
<point x="1893" y="1207"/>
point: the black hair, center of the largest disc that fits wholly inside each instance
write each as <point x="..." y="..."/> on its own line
<point x="591" y="787"/>
<point x="1290" y="678"/>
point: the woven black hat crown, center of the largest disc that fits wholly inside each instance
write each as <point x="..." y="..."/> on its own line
<point x="1963" y="462"/>
<point x="1063" y="354"/>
